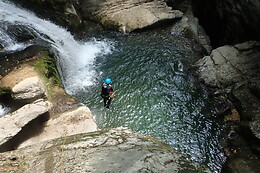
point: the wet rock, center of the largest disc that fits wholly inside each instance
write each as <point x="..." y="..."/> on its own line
<point x="128" y="15"/>
<point x="1" y="48"/>
<point x="29" y="89"/>
<point x="10" y="59"/>
<point x="255" y="126"/>
<point x="189" y="27"/>
<point x="62" y="12"/>
<point x="19" y="33"/>
<point x="11" y="124"/>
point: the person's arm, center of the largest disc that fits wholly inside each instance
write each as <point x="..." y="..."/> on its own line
<point x="111" y="92"/>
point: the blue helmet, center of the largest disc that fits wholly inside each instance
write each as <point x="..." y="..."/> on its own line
<point x="108" y="80"/>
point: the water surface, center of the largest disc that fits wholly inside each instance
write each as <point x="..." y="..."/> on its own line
<point x="156" y="93"/>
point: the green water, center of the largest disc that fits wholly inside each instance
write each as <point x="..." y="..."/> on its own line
<point x="156" y="93"/>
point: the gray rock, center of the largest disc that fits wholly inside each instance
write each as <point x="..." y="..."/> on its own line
<point x="255" y="126"/>
<point x="237" y="68"/>
<point x="189" y="27"/>
<point x="101" y="151"/>
<point x="128" y="15"/>
<point x="228" y="65"/>
<point x="29" y="89"/>
<point x="11" y="124"/>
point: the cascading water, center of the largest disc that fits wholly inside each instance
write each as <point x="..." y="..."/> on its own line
<point x="74" y="58"/>
<point x="3" y="110"/>
<point x="156" y="93"/>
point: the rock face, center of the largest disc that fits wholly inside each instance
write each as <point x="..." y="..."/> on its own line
<point x="128" y="15"/>
<point x="228" y="65"/>
<point x="29" y="89"/>
<point x="229" y="21"/>
<point x="12" y="124"/>
<point x="115" y="150"/>
<point x="123" y="15"/>
<point x="189" y="27"/>
<point x="237" y="68"/>
<point x="61" y="116"/>
<point x="63" y="12"/>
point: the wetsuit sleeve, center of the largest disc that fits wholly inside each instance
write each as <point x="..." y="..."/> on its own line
<point x="104" y="91"/>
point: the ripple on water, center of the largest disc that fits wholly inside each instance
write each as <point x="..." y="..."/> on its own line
<point x="157" y="94"/>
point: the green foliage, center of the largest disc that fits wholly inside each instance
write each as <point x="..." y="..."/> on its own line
<point x="46" y="66"/>
<point x="5" y="91"/>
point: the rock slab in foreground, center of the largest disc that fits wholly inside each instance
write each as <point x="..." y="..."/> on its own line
<point x="79" y="120"/>
<point x="128" y="15"/>
<point x="12" y="124"/>
<point x="115" y="150"/>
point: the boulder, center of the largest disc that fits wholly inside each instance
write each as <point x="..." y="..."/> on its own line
<point x="228" y="65"/>
<point x="79" y="120"/>
<point x="128" y="15"/>
<point x="11" y="124"/>
<point x="114" y="150"/>
<point x="29" y="89"/>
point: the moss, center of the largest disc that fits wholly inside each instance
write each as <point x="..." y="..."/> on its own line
<point x="5" y="91"/>
<point x="160" y="146"/>
<point x="22" y="164"/>
<point x="47" y="69"/>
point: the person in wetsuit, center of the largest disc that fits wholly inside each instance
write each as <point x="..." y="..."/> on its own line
<point x="107" y="92"/>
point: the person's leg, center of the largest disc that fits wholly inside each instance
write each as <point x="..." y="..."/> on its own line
<point x="105" y="102"/>
<point x="108" y="103"/>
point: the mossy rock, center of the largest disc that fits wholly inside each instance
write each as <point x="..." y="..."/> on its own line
<point x="5" y="93"/>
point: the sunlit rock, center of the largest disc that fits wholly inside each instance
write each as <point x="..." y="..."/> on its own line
<point x="129" y="15"/>
<point x="79" y="120"/>
<point x="115" y="150"/>
<point x="28" y="89"/>
<point x="11" y="124"/>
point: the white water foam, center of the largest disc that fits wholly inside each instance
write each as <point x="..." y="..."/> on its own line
<point x="74" y="59"/>
<point x="3" y="110"/>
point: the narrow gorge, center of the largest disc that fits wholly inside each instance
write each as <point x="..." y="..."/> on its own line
<point x="185" y="73"/>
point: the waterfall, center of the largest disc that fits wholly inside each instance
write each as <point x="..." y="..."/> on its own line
<point x="74" y="58"/>
<point x="3" y="110"/>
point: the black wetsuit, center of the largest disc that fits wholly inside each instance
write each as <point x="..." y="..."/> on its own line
<point x="107" y="90"/>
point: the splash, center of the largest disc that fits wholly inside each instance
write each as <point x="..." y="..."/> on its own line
<point x="3" y="110"/>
